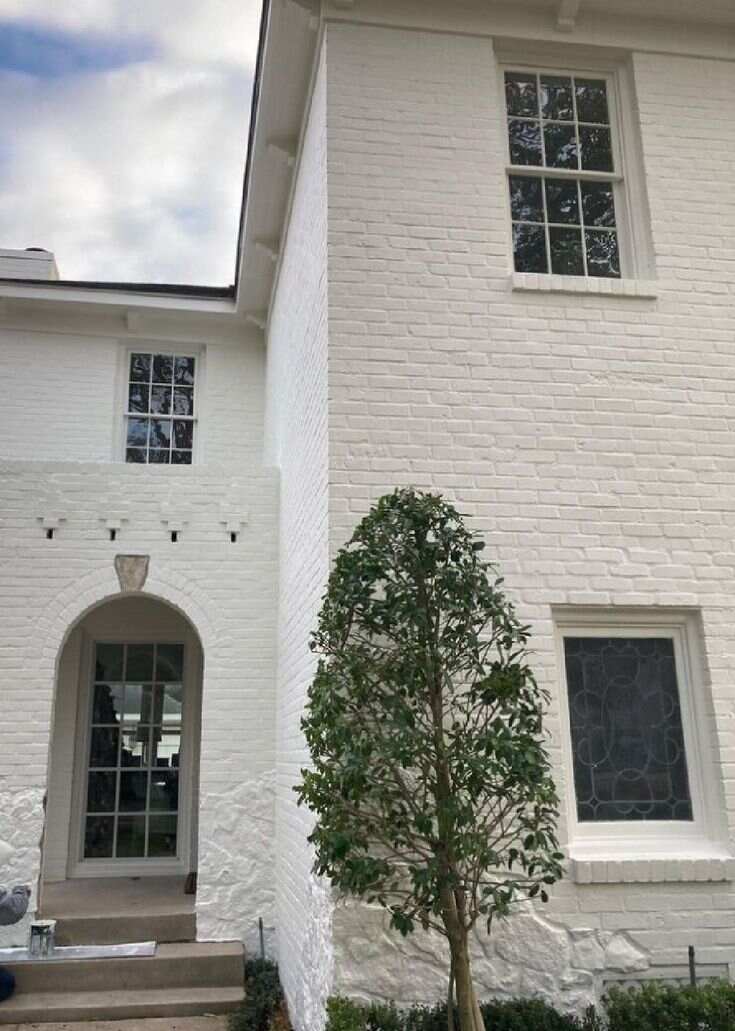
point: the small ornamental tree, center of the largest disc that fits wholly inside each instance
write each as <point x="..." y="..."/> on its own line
<point x="430" y="781"/>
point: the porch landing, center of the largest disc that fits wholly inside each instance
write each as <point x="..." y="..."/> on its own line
<point x="110" y="911"/>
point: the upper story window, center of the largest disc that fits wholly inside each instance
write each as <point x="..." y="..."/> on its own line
<point x="563" y="173"/>
<point x="160" y="408"/>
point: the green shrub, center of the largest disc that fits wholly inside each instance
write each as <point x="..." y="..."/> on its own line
<point x="263" y="997"/>
<point x="515" y="1015"/>
<point x="658" y="1007"/>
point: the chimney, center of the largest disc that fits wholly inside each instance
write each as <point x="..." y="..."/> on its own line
<point x="32" y="263"/>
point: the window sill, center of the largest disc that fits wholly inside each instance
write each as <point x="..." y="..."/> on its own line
<point x="543" y="283"/>
<point x="653" y="870"/>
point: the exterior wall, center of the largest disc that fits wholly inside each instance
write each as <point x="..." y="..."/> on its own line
<point x="590" y="438"/>
<point x="64" y="394"/>
<point x="60" y="400"/>
<point x="297" y="441"/>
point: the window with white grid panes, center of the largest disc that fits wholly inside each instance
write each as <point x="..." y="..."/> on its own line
<point x="160" y="409"/>
<point x="563" y="174"/>
<point x="132" y="790"/>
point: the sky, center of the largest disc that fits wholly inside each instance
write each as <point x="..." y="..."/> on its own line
<point x="123" y="134"/>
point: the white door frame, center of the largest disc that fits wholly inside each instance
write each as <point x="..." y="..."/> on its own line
<point x="78" y="866"/>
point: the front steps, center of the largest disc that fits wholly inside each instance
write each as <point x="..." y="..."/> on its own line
<point x="186" y="979"/>
<point x="113" y="911"/>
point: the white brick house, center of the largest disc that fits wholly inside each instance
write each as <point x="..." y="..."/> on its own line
<point x="486" y="249"/>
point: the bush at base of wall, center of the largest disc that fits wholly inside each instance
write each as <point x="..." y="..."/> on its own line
<point x="654" y="1007"/>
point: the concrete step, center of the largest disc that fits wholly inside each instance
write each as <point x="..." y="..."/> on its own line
<point x="49" y="1007"/>
<point x="119" y="928"/>
<point x="189" y="965"/>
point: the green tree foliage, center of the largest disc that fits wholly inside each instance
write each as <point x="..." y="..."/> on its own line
<point x="430" y="780"/>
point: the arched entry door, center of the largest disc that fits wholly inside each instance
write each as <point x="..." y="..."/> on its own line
<point x="130" y="685"/>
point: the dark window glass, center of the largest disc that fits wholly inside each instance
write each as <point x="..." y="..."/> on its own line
<point x="103" y="748"/>
<point x="163" y="368"/>
<point x="99" y="834"/>
<point x="137" y="432"/>
<point x="526" y="199"/>
<point x="133" y="791"/>
<point x="598" y="204"/>
<point x="140" y="662"/>
<point x="139" y="397"/>
<point x="525" y="142"/>
<point x="562" y="204"/>
<point x="181" y="457"/>
<point x="140" y="368"/>
<point x="160" y="433"/>
<point x="184" y="371"/>
<point x="161" y="400"/>
<point x="135" y="454"/>
<point x="627" y="739"/>
<point x="602" y="253"/>
<point x="109" y="662"/>
<point x="130" y="837"/>
<point x="183" y="401"/>
<point x="596" y="148"/>
<point x="521" y="96"/>
<point x="529" y="248"/>
<point x="165" y="790"/>
<point x="561" y="145"/>
<point x="592" y="101"/>
<point x="566" y="251"/>
<point x="183" y="434"/>
<point x="556" y="98"/>
<point x="170" y="662"/>
<point x="107" y="704"/>
<point x="162" y="836"/>
<point x="101" y="791"/>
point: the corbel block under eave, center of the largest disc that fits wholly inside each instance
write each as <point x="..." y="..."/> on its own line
<point x="285" y="149"/>
<point x="257" y="318"/>
<point x="566" y="15"/>
<point x="344" y="5"/>
<point x="271" y="248"/>
<point x="132" y="321"/>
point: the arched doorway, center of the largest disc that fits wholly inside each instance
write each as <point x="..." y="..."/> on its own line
<point x="122" y="797"/>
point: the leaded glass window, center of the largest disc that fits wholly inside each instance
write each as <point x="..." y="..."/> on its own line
<point x="628" y="746"/>
<point x="160" y="412"/>
<point x="562" y="175"/>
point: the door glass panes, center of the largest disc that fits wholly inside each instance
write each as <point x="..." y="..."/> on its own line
<point x="626" y="728"/>
<point x="132" y="797"/>
<point x="160" y="414"/>
<point x="563" y="225"/>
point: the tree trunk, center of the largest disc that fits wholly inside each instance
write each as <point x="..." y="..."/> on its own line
<point x="466" y="1004"/>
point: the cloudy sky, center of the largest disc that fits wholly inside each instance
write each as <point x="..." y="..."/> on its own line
<point x="123" y="132"/>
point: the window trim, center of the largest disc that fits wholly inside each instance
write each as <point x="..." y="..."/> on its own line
<point x="634" y="242"/>
<point x="706" y="835"/>
<point x="122" y="414"/>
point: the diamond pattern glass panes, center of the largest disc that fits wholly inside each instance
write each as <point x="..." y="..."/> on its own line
<point x="626" y="728"/>
<point x="134" y="753"/>
<point x="561" y="123"/>
<point x="160" y="386"/>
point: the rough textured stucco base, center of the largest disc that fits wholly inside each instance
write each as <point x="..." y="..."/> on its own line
<point x="527" y="955"/>
<point x="21" y="826"/>
<point x="236" y="872"/>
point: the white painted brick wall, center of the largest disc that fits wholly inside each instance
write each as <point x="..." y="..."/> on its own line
<point x="591" y="439"/>
<point x="229" y="593"/>
<point x="297" y="434"/>
<point x="60" y="399"/>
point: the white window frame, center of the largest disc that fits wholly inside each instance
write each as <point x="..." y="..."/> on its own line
<point x="705" y="835"/>
<point x="122" y="415"/>
<point x="632" y="218"/>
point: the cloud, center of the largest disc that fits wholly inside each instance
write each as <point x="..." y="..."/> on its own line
<point x="48" y="54"/>
<point x="131" y="170"/>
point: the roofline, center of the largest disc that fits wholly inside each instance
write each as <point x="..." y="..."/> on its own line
<point x="165" y="289"/>
<point x="254" y="104"/>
